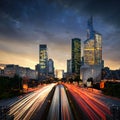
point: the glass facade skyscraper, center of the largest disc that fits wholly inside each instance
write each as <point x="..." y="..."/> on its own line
<point x="76" y="55"/>
<point x="92" y="46"/>
<point x="92" y="55"/>
<point x="89" y="52"/>
<point x="69" y="66"/>
<point x="43" y="58"/>
<point x="98" y="49"/>
<point x="51" y="67"/>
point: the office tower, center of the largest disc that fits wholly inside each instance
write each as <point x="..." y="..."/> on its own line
<point x="51" y="67"/>
<point x="69" y="66"/>
<point x="92" y="46"/>
<point x="92" y="54"/>
<point x="89" y="52"/>
<point x="98" y="49"/>
<point x="76" y="55"/>
<point x="43" y="59"/>
<point x="37" y="68"/>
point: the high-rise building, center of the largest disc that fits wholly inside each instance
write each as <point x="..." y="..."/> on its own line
<point x="92" y="46"/>
<point x="51" y="67"/>
<point x="98" y="49"/>
<point x="69" y="66"/>
<point x="37" y="68"/>
<point x="92" y="54"/>
<point x="43" y="59"/>
<point x="89" y="52"/>
<point x="76" y="55"/>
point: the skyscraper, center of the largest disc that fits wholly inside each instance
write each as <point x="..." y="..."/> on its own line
<point x="76" y="55"/>
<point x="89" y="52"/>
<point x="69" y="66"/>
<point x="43" y="59"/>
<point x="51" y="67"/>
<point x="90" y="29"/>
<point x="98" y="49"/>
<point x="92" y="46"/>
<point x="92" y="54"/>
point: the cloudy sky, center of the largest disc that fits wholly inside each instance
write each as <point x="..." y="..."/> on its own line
<point x="24" y="24"/>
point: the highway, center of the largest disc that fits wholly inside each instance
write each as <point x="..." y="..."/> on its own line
<point x="25" y="107"/>
<point x="60" y="108"/>
<point x="64" y="102"/>
<point x="94" y="106"/>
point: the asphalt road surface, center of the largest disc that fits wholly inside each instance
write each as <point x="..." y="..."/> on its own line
<point x="60" y="108"/>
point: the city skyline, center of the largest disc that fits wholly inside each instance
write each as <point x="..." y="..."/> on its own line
<point x="25" y="25"/>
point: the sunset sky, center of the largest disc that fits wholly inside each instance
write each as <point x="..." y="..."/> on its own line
<point x="24" y="24"/>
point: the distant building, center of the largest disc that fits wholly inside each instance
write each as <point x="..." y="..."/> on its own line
<point x="43" y="61"/>
<point x="108" y="74"/>
<point x="2" y="66"/>
<point x="90" y="71"/>
<point x="22" y="72"/>
<point x="92" y="46"/>
<point x="11" y="70"/>
<point x="37" y="68"/>
<point x="69" y="66"/>
<point x="51" y="68"/>
<point x="92" y="54"/>
<point x="98" y="49"/>
<point x="43" y="58"/>
<point x="1" y="72"/>
<point x="31" y="74"/>
<point x="76" y="56"/>
<point x="59" y="73"/>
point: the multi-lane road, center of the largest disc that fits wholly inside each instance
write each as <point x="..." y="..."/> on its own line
<point x="25" y="107"/>
<point x="65" y="102"/>
<point x="60" y="108"/>
<point x="92" y="104"/>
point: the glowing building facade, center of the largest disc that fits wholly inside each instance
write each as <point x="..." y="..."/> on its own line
<point x="76" y="55"/>
<point x="89" y="52"/>
<point x="98" y="49"/>
<point x="92" y="55"/>
<point x="92" y="46"/>
<point x="43" y="59"/>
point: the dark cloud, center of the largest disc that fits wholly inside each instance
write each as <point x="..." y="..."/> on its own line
<point x="56" y="22"/>
<point x="108" y="10"/>
<point x="34" y="19"/>
<point x="18" y="17"/>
